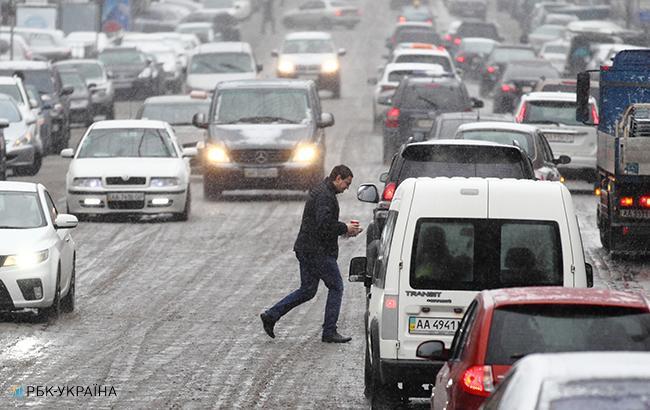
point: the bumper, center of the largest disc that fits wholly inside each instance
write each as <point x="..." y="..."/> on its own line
<point x="21" y="156"/>
<point x="409" y="371"/>
<point x="322" y="80"/>
<point x="17" y="284"/>
<point x="85" y="202"/>
<point x="283" y="176"/>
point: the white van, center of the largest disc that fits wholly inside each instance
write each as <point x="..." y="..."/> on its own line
<point x="444" y="240"/>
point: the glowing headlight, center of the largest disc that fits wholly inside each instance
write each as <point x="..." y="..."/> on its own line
<point x="27" y="259"/>
<point x="330" y="66"/>
<point x="305" y="153"/>
<point x="87" y="182"/>
<point x="163" y="182"/>
<point x="24" y="140"/>
<point x="286" y="67"/>
<point x="217" y="154"/>
<point x="145" y="73"/>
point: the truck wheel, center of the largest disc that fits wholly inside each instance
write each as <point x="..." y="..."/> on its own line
<point x="382" y="396"/>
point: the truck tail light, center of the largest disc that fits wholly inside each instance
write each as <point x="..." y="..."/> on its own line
<point x="644" y="201"/>
<point x="392" y="118"/>
<point x="626" y="201"/>
<point x="389" y="191"/>
<point x="478" y="380"/>
<point x="522" y="113"/>
<point x="594" y="114"/>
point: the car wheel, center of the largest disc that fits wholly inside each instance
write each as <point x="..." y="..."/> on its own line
<point x="382" y="396"/>
<point x="367" y="375"/>
<point x="30" y="170"/>
<point x="185" y="215"/>
<point x="67" y="303"/>
<point x="606" y="236"/>
<point x="53" y="311"/>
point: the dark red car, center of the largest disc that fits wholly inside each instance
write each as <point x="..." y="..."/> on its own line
<point x="503" y="325"/>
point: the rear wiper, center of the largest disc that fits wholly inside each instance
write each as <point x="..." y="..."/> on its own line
<point x="546" y="122"/>
<point x="434" y="105"/>
<point x="263" y="119"/>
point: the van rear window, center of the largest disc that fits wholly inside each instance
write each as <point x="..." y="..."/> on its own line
<point x="476" y="254"/>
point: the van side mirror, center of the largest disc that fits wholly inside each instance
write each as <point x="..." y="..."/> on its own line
<point x="198" y="120"/>
<point x="358" y="267"/>
<point x="582" y="98"/>
<point x="432" y="350"/>
<point x="589" y="271"/>
<point x="326" y="120"/>
<point x="562" y="160"/>
<point x="368" y="193"/>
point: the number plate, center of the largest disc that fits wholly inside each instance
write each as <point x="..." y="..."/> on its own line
<point x="126" y="196"/>
<point x="635" y="213"/>
<point x="565" y="138"/>
<point x="260" y="172"/>
<point x="424" y="123"/>
<point x="433" y="325"/>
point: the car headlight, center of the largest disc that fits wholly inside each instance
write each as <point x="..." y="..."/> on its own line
<point x="24" y="140"/>
<point x="26" y="259"/>
<point x="305" y="153"/>
<point x="145" y="73"/>
<point x="330" y="66"/>
<point x="163" y="182"/>
<point x="217" y="154"/>
<point x="87" y="182"/>
<point x="286" y="67"/>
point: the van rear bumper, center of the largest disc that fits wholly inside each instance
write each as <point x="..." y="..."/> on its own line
<point x="409" y="371"/>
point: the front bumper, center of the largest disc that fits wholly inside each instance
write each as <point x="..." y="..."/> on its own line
<point x="77" y="202"/>
<point x="288" y="175"/>
<point x="13" y="296"/>
<point x="20" y="156"/>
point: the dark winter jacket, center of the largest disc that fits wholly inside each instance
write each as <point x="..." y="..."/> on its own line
<point x="320" y="226"/>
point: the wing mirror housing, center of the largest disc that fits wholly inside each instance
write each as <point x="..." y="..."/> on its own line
<point x="368" y="193"/>
<point x="67" y="90"/>
<point x="259" y="67"/>
<point x="326" y="120"/>
<point x="342" y="52"/>
<point x="65" y="221"/>
<point x="562" y="160"/>
<point x="190" y="152"/>
<point x="432" y="350"/>
<point x="358" y="267"/>
<point x="199" y="121"/>
<point x="589" y="271"/>
<point x="383" y="177"/>
<point x="67" y="153"/>
<point x="275" y="53"/>
<point x="385" y="100"/>
<point x="476" y="103"/>
<point x="3" y="123"/>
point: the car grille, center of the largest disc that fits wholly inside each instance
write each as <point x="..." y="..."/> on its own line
<point x="5" y="299"/>
<point x="125" y="204"/>
<point x="313" y="67"/>
<point x="269" y="156"/>
<point x="128" y="181"/>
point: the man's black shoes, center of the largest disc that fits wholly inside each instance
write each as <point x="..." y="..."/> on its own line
<point x="336" y="338"/>
<point x="268" y="323"/>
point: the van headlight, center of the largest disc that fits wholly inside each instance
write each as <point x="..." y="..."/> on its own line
<point x="329" y="66"/>
<point x="305" y="153"/>
<point x="87" y="182"/>
<point x="163" y="182"/>
<point x="24" y="140"/>
<point x="26" y="259"/>
<point x="286" y="67"/>
<point x="217" y="154"/>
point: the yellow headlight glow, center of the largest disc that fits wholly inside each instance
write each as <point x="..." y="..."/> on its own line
<point x="305" y="153"/>
<point x="217" y="154"/>
<point x="330" y="66"/>
<point x="286" y="67"/>
<point x="26" y="259"/>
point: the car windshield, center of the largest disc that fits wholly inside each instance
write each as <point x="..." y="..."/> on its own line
<point x="435" y="97"/>
<point x="74" y="80"/>
<point x="478" y="30"/>
<point x="127" y="143"/>
<point x="413" y="14"/>
<point x="425" y="59"/>
<point x="219" y="63"/>
<point x="560" y="112"/>
<point x="12" y="91"/>
<point x="40" y="40"/>
<point x="524" y="141"/>
<point x="598" y="393"/>
<point x="304" y="46"/>
<point x="9" y="111"/>
<point x="175" y="113"/>
<point x="477" y="47"/>
<point x="446" y="128"/>
<point x="88" y="71"/>
<point x="41" y="79"/>
<point x="417" y="36"/>
<point x="121" y="57"/>
<point x="260" y="106"/>
<point x="503" y="55"/>
<point x="552" y="328"/>
<point x="529" y="71"/>
<point x="477" y="254"/>
<point x="20" y="210"/>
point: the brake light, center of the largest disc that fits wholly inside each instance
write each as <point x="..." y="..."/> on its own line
<point x="460" y="59"/>
<point x="389" y="191"/>
<point x="605" y="67"/>
<point x="594" y="114"/>
<point x="392" y="118"/>
<point x="491" y="69"/>
<point x="457" y="41"/>
<point x="478" y="380"/>
<point x="522" y="113"/>
<point x="402" y="19"/>
<point x="422" y="46"/>
<point x="390" y="302"/>
<point x="447" y="37"/>
<point x="506" y="88"/>
<point x="338" y="12"/>
<point x="626" y="201"/>
<point x="644" y="201"/>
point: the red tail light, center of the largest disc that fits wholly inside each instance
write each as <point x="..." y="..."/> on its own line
<point x="506" y="88"/>
<point x="338" y="12"/>
<point x="457" y="41"/>
<point x="478" y="380"/>
<point x="594" y="114"/>
<point x="522" y="113"/>
<point x="390" y="302"/>
<point x="392" y="118"/>
<point x="460" y="59"/>
<point x="389" y="191"/>
<point x="491" y="69"/>
<point x="644" y="201"/>
<point x="402" y="19"/>
<point x="447" y="37"/>
<point x="605" y="67"/>
<point x="626" y="201"/>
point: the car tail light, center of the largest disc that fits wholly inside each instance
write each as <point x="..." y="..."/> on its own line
<point x="522" y="113"/>
<point x="460" y="59"/>
<point x="478" y="380"/>
<point x="392" y="118"/>
<point x="626" y="201"/>
<point x="338" y="12"/>
<point x="389" y="317"/>
<point x="507" y="88"/>
<point x="594" y="114"/>
<point x="605" y="67"/>
<point x="422" y="46"/>
<point x="447" y="37"/>
<point x="644" y="201"/>
<point x="389" y="191"/>
<point x="402" y="19"/>
<point x="457" y="41"/>
<point x="491" y="69"/>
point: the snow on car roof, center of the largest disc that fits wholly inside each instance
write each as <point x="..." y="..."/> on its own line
<point x="301" y="35"/>
<point x="108" y="124"/>
<point x="18" y="186"/>
<point x="497" y="125"/>
<point x="562" y="295"/>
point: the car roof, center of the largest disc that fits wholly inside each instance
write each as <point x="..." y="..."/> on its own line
<point x="435" y="69"/>
<point x="543" y="295"/>
<point x="472" y="114"/>
<point x="24" y="65"/>
<point x="479" y="40"/>
<point x="444" y="79"/>
<point x="223" y="46"/>
<point x="76" y="61"/>
<point x="551" y="96"/>
<point x="308" y="35"/>
<point x="119" y="48"/>
<point x="514" y="46"/>
<point x="498" y="125"/>
<point x="451" y="142"/>
<point x="180" y="98"/>
<point x="110" y="124"/>
<point x="420" y="51"/>
<point x="414" y="24"/>
<point x="5" y="79"/>
<point x="18" y="186"/>
<point x="266" y="83"/>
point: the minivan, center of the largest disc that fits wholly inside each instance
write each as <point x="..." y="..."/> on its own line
<point x="446" y="239"/>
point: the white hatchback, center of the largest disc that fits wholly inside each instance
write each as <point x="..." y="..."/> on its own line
<point x="37" y="253"/>
<point x="129" y="166"/>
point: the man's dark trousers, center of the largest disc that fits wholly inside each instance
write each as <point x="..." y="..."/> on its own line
<point x="313" y="268"/>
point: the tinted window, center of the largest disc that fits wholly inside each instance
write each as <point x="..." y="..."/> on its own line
<point x="425" y="59"/>
<point x="174" y="113"/>
<point x="220" y="63"/>
<point x="384" y="249"/>
<point x="524" y="141"/>
<point x="596" y="394"/>
<point x="562" y="112"/>
<point x="20" y="210"/>
<point x="88" y="71"/>
<point x="476" y="254"/>
<point x="262" y="106"/>
<point x="435" y="96"/>
<point x="463" y="161"/>
<point x="127" y="142"/>
<point x="524" y="329"/>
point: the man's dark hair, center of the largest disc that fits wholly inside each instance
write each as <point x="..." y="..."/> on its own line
<point x="340" y="170"/>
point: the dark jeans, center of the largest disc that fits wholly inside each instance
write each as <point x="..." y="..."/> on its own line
<point x="313" y="268"/>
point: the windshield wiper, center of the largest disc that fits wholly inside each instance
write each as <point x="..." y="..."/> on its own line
<point x="262" y="119"/>
<point x="433" y="104"/>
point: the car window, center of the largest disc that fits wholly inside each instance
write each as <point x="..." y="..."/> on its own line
<point x="425" y="59"/>
<point x="524" y="329"/>
<point x="516" y="71"/>
<point x="478" y="30"/>
<point x="379" y="278"/>
<point x="476" y="254"/>
<point x="20" y="210"/>
<point x="88" y="70"/>
<point x="598" y="393"/>
<point x="307" y="46"/>
<point x="546" y="148"/>
<point x="417" y="36"/>
<point x="562" y="112"/>
<point x="73" y="80"/>
<point x="460" y="337"/>
<point x="435" y="97"/>
<point x="482" y="47"/>
<point x="219" y="63"/>
<point x="270" y="105"/>
<point x="502" y="55"/>
<point x="174" y="113"/>
<point x="12" y="91"/>
<point x="127" y="143"/>
<point x="9" y="111"/>
<point x="524" y="141"/>
<point x="121" y="57"/>
<point x="41" y="79"/>
<point x="51" y="208"/>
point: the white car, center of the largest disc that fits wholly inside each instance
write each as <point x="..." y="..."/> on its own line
<point x="239" y="9"/>
<point x="424" y="54"/>
<point x="37" y="253"/>
<point x="556" y="52"/>
<point x="213" y="63"/>
<point x="129" y="166"/>
<point x="603" y="54"/>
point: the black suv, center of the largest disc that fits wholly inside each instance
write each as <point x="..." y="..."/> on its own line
<point x="415" y="105"/>
<point x="263" y="134"/>
<point x="444" y="158"/>
<point x="500" y="56"/>
<point x="54" y="96"/>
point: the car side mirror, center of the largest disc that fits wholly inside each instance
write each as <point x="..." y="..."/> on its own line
<point x="110" y="74"/>
<point x="198" y="120"/>
<point x="275" y="53"/>
<point x="33" y="103"/>
<point x="92" y="85"/>
<point x="385" y="100"/>
<point x="3" y="123"/>
<point x="67" y="153"/>
<point x="476" y="103"/>
<point x="368" y="193"/>
<point x="67" y="90"/>
<point x="149" y="60"/>
<point x="460" y="72"/>
<point x="65" y="221"/>
<point x="326" y="120"/>
<point x="358" y="268"/>
<point x="383" y="177"/>
<point x="372" y="81"/>
<point x="190" y="152"/>
<point x="589" y="271"/>
<point x="562" y="160"/>
<point x="259" y="68"/>
<point x="342" y="52"/>
<point x="432" y="350"/>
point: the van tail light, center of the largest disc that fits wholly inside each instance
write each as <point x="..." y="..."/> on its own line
<point x="478" y="380"/>
<point x="460" y="59"/>
<point x="626" y="201"/>
<point x="491" y="69"/>
<point x="338" y="12"/>
<point x="507" y="88"/>
<point x="457" y="41"/>
<point x="389" y="317"/>
<point x="594" y="114"/>
<point x="644" y="201"/>
<point x="389" y="191"/>
<point x="392" y="118"/>
<point x="522" y="113"/>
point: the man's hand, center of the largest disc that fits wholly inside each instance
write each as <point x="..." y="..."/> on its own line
<point x="354" y="228"/>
